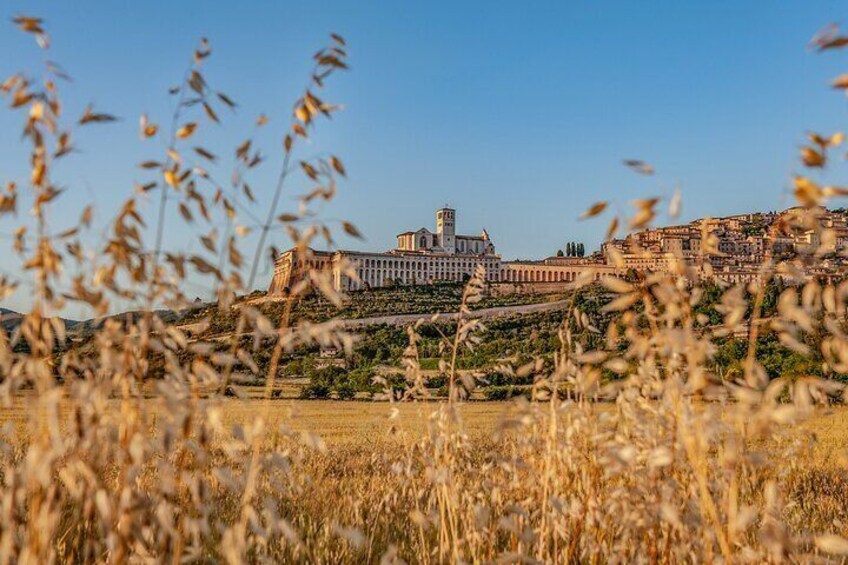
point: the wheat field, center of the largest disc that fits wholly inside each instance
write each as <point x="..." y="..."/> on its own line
<point x="356" y="491"/>
<point x="340" y="423"/>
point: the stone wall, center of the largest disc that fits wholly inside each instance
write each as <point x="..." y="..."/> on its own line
<point x="503" y="288"/>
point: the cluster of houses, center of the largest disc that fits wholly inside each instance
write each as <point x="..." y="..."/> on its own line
<point x="734" y="248"/>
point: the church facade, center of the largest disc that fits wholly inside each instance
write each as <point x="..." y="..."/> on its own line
<point x="445" y="240"/>
<point x="421" y="257"/>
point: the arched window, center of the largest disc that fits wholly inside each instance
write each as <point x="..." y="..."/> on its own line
<point x="423" y="241"/>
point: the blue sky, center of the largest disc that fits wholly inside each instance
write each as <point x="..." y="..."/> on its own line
<point x="518" y="114"/>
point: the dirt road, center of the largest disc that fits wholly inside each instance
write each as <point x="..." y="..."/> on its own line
<point x="403" y="319"/>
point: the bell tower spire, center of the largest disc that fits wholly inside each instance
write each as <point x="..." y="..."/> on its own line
<point x="446" y="228"/>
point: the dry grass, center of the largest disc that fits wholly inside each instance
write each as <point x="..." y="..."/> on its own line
<point x="356" y="422"/>
<point x="353" y="494"/>
<point x="336" y="422"/>
<point x="105" y="464"/>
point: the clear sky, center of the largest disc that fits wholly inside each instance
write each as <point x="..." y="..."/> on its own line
<point x="518" y="114"/>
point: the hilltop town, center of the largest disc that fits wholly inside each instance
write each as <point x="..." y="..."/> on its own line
<point x="731" y="249"/>
<point x="734" y="248"/>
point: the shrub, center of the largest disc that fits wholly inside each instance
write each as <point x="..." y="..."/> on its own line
<point x="438" y="381"/>
<point x="345" y="391"/>
<point x="498" y="379"/>
<point x="314" y="391"/>
<point x="397" y="383"/>
<point x="504" y="392"/>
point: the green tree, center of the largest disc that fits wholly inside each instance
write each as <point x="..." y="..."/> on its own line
<point x="345" y="390"/>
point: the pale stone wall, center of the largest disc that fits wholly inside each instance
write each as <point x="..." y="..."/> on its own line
<point x="289" y="268"/>
<point x="282" y="273"/>
<point x="374" y="270"/>
<point x="506" y="288"/>
<point x="545" y="272"/>
<point x="378" y="269"/>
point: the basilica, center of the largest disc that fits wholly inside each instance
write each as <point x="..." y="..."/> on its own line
<point x="421" y="257"/>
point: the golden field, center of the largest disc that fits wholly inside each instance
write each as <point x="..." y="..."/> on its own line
<point x="338" y="423"/>
<point x="360" y="481"/>
<point x="335" y="422"/>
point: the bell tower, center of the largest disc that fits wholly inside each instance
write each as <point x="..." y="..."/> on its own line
<point x="446" y="228"/>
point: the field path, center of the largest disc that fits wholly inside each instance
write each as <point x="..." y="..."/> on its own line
<point x="403" y="319"/>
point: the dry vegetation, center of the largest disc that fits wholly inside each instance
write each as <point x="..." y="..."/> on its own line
<point x="676" y="466"/>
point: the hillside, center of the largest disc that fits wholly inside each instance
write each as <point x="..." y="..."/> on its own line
<point x="515" y="339"/>
<point x="424" y="300"/>
<point x="513" y="335"/>
<point x="10" y="319"/>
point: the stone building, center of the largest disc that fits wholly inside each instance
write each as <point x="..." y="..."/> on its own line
<point x="553" y="270"/>
<point x="728" y="249"/>
<point x="445" y="240"/>
<point x="421" y="257"/>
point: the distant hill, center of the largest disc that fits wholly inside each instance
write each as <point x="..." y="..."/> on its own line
<point x="9" y="319"/>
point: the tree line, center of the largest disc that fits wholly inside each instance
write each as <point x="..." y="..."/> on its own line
<point x="572" y="249"/>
